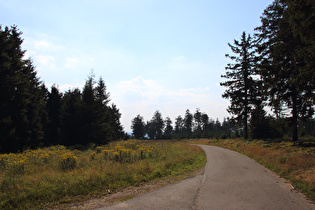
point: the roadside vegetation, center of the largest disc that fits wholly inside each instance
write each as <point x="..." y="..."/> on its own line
<point x="50" y="176"/>
<point x="293" y="162"/>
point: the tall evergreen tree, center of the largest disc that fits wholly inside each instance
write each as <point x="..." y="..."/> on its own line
<point x="179" y="126"/>
<point x="204" y="121"/>
<point x="71" y="119"/>
<point x="53" y="127"/>
<point x="301" y="18"/>
<point x="168" y="132"/>
<point x="198" y="120"/>
<point x="281" y="66"/>
<point x="150" y="129"/>
<point x="188" y="123"/>
<point x="21" y="101"/>
<point x="101" y="92"/>
<point x="155" y="126"/>
<point x="138" y="127"/>
<point x="115" y="125"/>
<point x="240" y="85"/>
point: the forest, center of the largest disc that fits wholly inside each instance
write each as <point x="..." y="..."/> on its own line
<point x="32" y="116"/>
<point x="269" y="83"/>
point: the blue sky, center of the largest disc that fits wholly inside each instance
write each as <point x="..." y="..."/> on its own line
<point x="164" y="55"/>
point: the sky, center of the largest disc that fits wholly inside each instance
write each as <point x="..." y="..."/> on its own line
<point x="165" y="55"/>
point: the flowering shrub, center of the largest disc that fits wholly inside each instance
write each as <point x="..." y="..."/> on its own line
<point x="92" y="156"/>
<point x="14" y="163"/>
<point x="129" y="152"/>
<point x="37" y="157"/>
<point x="61" y="157"/>
<point x="67" y="161"/>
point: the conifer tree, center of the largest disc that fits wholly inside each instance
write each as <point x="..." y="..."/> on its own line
<point x="53" y="127"/>
<point x="114" y="121"/>
<point x="281" y="66"/>
<point x="168" y="132"/>
<point x="138" y="127"/>
<point x="179" y="126"/>
<point x="71" y="119"/>
<point x="22" y="104"/>
<point x="240" y="83"/>
<point x="188" y="123"/>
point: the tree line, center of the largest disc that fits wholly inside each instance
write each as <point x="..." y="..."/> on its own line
<point x="33" y="116"/>
<point x="190" y="125"/>
<point x="274" y="68"/>
<point x="199" y="125"/>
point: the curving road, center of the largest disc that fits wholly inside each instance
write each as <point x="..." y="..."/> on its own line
<point x="230" y="181"/>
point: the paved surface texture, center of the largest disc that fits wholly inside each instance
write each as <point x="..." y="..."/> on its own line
<point x="230" y="181"/>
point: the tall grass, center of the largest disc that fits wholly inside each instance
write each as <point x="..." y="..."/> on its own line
<point x="47" y="177"/>
<point x="290" y="161"/>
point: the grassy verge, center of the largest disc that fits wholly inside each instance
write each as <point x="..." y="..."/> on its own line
<point x="47" y="177"/>
<point x="292" y="162"/>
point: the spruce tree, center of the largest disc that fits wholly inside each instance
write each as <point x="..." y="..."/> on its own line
<point x="286" y="80"/>
<point x="240" y="83"/>
<point x="71" y="118"/>
<point x="115" y="125"/>
<point x="138" y="127"/>
<point x="168" y="131"/>
<point x="22" y="102"/>
<point x="179" y="126"/>
<point x="188" y="123"/>
<point x="53" y="127"/>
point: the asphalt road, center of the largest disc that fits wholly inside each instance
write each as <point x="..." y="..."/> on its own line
<point x="230" y="181"/>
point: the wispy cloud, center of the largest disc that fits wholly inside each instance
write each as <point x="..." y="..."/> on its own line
<point x="71" y="63"/>
<point x="65" y="87"/>
<point x="45" y="61"/>
<point x="144" y="96"/>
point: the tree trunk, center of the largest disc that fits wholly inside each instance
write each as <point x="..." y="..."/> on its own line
<point x="294" y="120"/>
<point x="246" y="125"/>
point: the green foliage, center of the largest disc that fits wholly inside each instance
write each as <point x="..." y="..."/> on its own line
<point x="22" y="96"/>
<point x="31" y="116"/>
<point x="155" y="126"/>
<point x="284" y="60"/>
<point x="138" y="127"/>
<point x="242" y="89"/>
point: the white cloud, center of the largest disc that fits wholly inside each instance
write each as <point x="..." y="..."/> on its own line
<point x="42" y="44"/>
<point x="71" y="62"/>
<point x="45" y="61"/>
<point x="65" y="87"/>
<point x="145" y="96"/>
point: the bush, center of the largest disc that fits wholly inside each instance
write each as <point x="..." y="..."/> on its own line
<point x="67" y="161"/>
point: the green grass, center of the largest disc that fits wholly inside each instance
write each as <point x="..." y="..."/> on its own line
<point x="56" y="175"/>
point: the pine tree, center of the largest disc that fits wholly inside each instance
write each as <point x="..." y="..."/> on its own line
<point x="155" y="126"/>
<point x="281" y="66"/>
<point x="188" y="123"/>
<point x="71" y="118"/>
<point x="115" y="125"/>
<point x="198" y="121"/>
<point x="301" y="18"/>
<point x="168" y="132"/>
<point x="138" y="127"/>
<point x="22" y="102"/>
<point x="241" y="84"/>
<point x="53" y="127"/>
<point x="179" y="126"/>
